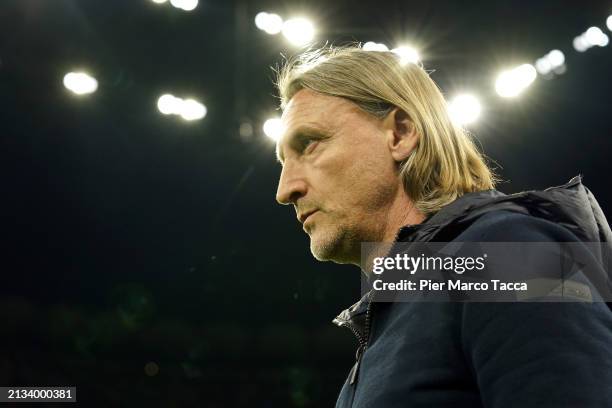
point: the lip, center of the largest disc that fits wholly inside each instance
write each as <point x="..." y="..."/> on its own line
<point x="303" y="217"/>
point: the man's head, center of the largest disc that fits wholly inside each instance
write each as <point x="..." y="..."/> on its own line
<point x="366" y="141"/>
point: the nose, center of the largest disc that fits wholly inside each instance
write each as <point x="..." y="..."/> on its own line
<point x="291" y="185"/>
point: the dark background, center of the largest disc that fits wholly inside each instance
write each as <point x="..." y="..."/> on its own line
<point x="145" y="259"/>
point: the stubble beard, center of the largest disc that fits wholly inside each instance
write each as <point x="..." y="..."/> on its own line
<point x="339" y="244"/>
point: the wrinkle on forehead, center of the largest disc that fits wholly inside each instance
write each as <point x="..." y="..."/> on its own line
<point x="312" y="110"/>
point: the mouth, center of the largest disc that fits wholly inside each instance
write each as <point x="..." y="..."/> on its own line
<point x="304" y="217"/>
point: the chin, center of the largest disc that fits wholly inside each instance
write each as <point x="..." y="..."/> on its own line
<point x="330" y="248"/>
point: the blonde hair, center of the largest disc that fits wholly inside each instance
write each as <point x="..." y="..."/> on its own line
<point x="445" y="164"/>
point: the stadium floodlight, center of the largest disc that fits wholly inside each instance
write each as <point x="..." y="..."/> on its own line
<point x="512" y="82"/>
<point x="169" y="104"/>
<point x="80" y="83"/>
<point x="271" y="23"/>
<point x="609" y="22"/>
<point x="603" y="40"/>
<point x="580" y="44"/>
<point x="187" y="5"/>
<point x="407" y="54"/>
<point x="188" y="109"/>
<point x="464" y="109"/>
<point x="192" y="110"/>
<point x="273" y="128"/>
<point x="159" y="1"/>
<point x="553" y="61"/>
<point x="595" y="36"/>
<point x="590" y="38"/>
<point x="274" y="24"/>
<point x="298" y="31"/>
<point x="543" y="66"/>
<point x="556" y="58"/>
<point x="261" y="20"/>
<point x="374" y="46"/>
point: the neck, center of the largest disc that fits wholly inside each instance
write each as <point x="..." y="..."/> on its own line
<point x="401" y="213"/>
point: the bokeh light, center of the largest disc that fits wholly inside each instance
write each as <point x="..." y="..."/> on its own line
<point x="407" y="54"/>
<point x="543" y="66"/>
<point x="580" y="44"/>
<point x="192" y="110"/>
<point x="188" y="109"/>
<point x="169" y="104"/>
<point x="374" y="46"/>
<point x="271" y="23"/>
<point x="595" y="36"/>
<point x="556" y="58"/>
<point x="298" y="31"/>
<point x="261" y="20"/>
<point x="80" y="83"/>
<point x="273" y="128"/>
<point x="512" y="82"/>
<point x="187" y="5"/>
<point x="552" y="61"/>
<point x="590" y="38"/>
<point x="464" y="109"/>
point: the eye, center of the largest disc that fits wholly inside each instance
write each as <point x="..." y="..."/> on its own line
<point x="308" y="145"/>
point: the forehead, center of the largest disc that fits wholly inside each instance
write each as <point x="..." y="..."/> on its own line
<point x="310" y="106"/>
<point x="309" y="111"/>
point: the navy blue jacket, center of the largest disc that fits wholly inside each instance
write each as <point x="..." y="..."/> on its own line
<point x="494" y="355"/>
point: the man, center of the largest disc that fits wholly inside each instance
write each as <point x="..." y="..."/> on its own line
<point x="369" y="154"/>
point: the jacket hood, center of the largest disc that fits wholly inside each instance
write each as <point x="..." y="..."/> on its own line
<point x="570" y="205"/>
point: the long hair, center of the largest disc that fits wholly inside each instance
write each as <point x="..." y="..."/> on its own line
<point x="445" y="164"/>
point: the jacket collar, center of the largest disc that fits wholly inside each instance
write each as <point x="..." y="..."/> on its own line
<point x="571" y="205"/>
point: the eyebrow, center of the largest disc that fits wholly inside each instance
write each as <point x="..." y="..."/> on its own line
<point x="304" y="131"/>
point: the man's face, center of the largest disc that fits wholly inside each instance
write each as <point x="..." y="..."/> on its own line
<point x="337" y="172"/>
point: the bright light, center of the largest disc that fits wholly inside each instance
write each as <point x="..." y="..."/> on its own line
<point x="512" y="82"/>
<point x="590" y="38"/>
<point x="603" y="40"/>
<point x="464" y="109"/>
<point x="159" y="1"/>
<point x="551" y="61"/>
<point x="188" y="109"/>
<point x="373" y="46"/>
<point x="261" y="20"/>
<point x="169" y="104"/>
<point x="407" y="55"/>
<point x="556" y="58"/>
<point x="299" y="31"/>
<point x="273" y="128"/>
<point x="594" y="36"/>
<point x="269" y="22"/>
<point x="192" y="110"/>
<point x="543" y="66"/>
<point x="186" y="5"/>
<point x="580" y="44"/>
<point x="275" y="24"/>
<point x="80" y="83"/>
<point x="609" y="22"/>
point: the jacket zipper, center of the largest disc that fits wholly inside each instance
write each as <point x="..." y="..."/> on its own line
<point x="363" y="342"/>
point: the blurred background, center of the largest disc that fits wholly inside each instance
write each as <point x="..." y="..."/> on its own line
<point x="145" y="260"/>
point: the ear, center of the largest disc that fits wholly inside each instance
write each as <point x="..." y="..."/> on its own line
<point x="401" y="134"/>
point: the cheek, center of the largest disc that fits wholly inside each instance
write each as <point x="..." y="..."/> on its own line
<point x="363" y="185"/>
<point x="355" y="176"/>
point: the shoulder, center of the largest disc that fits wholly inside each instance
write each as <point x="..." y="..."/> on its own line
<point x="509" y="226"/>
